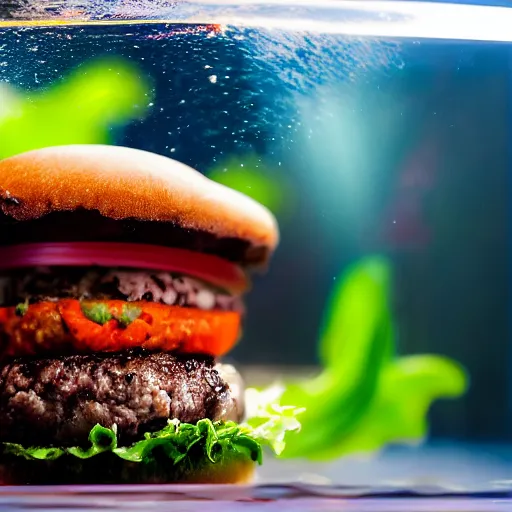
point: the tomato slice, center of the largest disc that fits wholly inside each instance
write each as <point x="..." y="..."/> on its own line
<point x="62" y="327"/>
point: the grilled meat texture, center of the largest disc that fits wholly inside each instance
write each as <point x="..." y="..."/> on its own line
<point x="57" y="401"/>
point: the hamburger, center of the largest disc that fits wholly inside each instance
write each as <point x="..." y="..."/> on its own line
<point x="122" y="275"/>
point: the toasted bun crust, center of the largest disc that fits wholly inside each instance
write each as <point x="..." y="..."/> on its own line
<point x="123" y="183"/>
<point x="107" y="470"/>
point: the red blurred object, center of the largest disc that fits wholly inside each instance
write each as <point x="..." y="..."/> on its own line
<point x="404" y="224"/>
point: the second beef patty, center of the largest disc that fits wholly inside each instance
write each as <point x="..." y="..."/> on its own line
<point x="59" y="400"/>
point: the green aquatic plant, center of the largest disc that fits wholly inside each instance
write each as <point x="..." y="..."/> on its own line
<point x="82" y="108"/>
<point x="365" y="396"/>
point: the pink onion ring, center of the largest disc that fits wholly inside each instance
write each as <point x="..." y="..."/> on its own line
<point x="212" y="269"/>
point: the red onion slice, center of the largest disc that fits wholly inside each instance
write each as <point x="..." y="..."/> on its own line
<point x="211" y="269"/>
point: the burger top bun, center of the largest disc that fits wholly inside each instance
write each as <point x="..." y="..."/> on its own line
<point x="123" y="183"/>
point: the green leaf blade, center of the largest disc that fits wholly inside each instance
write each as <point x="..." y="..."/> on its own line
<point x="357" y="343"/>
<point x="365" y="396"/>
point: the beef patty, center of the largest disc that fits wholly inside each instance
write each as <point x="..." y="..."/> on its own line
<point x="57" y="401"/>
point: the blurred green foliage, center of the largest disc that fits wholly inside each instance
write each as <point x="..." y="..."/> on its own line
<point x="250" y="175"/>
<point x="82" y="108"/>
<point x="366" y="396"/>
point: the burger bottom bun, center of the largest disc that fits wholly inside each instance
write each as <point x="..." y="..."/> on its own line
<point x="108" y="469"/>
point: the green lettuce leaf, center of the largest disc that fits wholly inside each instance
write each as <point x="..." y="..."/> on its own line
<point x="399" y="410"/>
<point x="33" y="453"/>
<point x="102" y="440"/>
<point x="206" y="440"/>
<point x="365" y="395"/>
<point x="269" y="422"/>
<point x="356" y="345"/>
